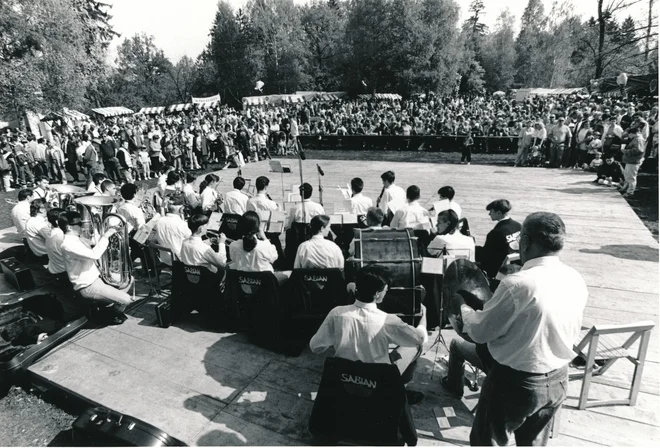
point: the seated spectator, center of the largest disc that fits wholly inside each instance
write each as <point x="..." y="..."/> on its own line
<point x="412" y="215"/>
<point x="195" y="252"/>
<point x="596" y="163"/>
<point x="610" y="172"/>
<point x="171" y="230"/>
<point x="37" y="229"/>
<point x="446" y="202"/>
<point x="362" y="332"/>
<point x="318" y="252"/>
<point x="450" y="239"/>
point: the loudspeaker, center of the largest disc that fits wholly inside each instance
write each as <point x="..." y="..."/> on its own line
<point x="17" y="274"/>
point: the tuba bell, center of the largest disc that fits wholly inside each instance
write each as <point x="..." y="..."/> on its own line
<point x="115" y="263"/>
<point x="67" y="194"/>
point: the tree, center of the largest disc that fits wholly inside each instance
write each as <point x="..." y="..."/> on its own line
<point x="499" y="54"/>
<point x="529" y="45"/>
<point x="473" y="27"/>
<point x="183" y="77"/>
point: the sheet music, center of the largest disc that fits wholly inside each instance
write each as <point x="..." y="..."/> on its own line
<point x="346" y="193"/>
<point x="336" y="219"/>
<point x="432" y="266"/>
<point x="145" y="232"/>
<point x="277" y="216"/>
<point x="350" y="218"/>
<point x="276" y="227"/>
<point x="215" y="221"/>
<point x="264" y="215"/>
<point x="276" y="166"/>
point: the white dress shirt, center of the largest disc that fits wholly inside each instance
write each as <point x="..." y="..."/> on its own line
<point x="191" y="196"/>
<point x="360" y="204"/>
<point x="208" y="198"/>
<point x="261" y="203"/>
<point x="446" y="204"/>
<point x="534" y="318"/>
<point x="37" y="229"/>
<point x="259" y="259"/>
<point x="457" y="245"/>
<point x="319" y="253"/>
<point x="296" y="213"/>
<point x="235" y="202"/>
<point x="391" y="193"/>
<point x="362" y="332"/>
<point x="195" y="252"/>
<point x="19" y="215"/>
<point x="133" y="214"/>
<point x="410" y="216"/>
<point x="171" y="231"/>
<point x="80" y="259"/>
<point x="54" y="249"/>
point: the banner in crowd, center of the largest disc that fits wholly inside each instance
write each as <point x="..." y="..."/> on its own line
<point x="208" y="99"/>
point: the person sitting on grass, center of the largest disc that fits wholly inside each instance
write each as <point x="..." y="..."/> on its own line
<point x="610" y="172"/>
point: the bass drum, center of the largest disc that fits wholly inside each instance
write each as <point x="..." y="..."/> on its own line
<point x="398" y="252"/>
<point x="463" y="283"/>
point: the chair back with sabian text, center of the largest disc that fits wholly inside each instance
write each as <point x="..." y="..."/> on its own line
<point x="252" y="301"/>
<point x="229" y="226"/>
<point x="362" y="403"/>
<point x="194" y="288"/>
<point x="297" y="234"/>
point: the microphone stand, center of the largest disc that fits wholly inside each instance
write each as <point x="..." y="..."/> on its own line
<point x="300" y="167"/>
<point x="320" y="173"/>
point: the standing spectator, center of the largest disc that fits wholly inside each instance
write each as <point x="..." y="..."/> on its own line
<point x="125" y="162"/>
<point x="56" y="159"/>
<point x="559" y="134"/>
<point x="524" y="143"/>
<point x="155" y="152"/>
<point x="109" y="154"/>
<point x="466" y="153"/>
<point x="633" y="156"/>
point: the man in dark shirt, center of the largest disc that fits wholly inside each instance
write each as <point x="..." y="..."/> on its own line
<point x="109" y="154"/>
<point x="499" y="241"/>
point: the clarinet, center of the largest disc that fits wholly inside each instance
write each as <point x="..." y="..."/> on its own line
<point x="380" y="197"/>
<point x="268" y="196"/>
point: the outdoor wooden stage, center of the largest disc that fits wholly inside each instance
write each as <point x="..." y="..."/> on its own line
<point x="218" y="389"/>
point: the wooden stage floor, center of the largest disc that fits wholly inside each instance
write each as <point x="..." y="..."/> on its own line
<point x="218" y="389"/>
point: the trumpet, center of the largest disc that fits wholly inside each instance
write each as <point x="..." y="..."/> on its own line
<point x="148" y="209"/>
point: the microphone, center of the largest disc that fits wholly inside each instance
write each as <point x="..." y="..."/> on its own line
<point x="318" y="168"/>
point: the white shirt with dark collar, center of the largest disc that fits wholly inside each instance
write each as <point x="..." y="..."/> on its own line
<point x="195" y="252"/>
<point x="534" y="318"/>
<point x="261" y="203"/>
<point x="362" y="332"/>
<point x="318" y="253"/>
<point x="360" y="204"/>
<point x="392" y="193"/>
<point x="235" y="202"/>
<point x="410" y="216"/>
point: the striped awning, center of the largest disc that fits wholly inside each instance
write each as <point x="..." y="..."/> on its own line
<point x="179" y="107"/>
<point x="112" y="111"/>
<point x="208" y="105"/>
<point x="382" y="96"/>
<point x="74" y="114"/>
<point x="152" y="110"/>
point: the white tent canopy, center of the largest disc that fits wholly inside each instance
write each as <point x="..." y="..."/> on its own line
<point x="152" y="110"/>
<point x="521" y="94"/>
<point x="382" y="96"/>
<point x="112" y="111"/>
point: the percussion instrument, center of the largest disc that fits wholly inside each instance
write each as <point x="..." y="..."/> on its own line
<point x="463" y="283"/>
<point x="398" y="252"/>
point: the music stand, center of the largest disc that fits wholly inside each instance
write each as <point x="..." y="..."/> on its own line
<point x="277" y="167"/>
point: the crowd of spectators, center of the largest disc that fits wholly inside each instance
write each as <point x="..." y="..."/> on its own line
<point x="565" y="131"/>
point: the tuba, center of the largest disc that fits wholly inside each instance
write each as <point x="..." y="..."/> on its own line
<point x="115" y="263"/>
<point x="67" y="194"/>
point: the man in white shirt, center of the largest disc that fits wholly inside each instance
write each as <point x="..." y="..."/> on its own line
<point x="311" y="208"/>
<point x="412" y="215"/>
<point x="190" y="196"/>
<point x="529" y="325"/>
<point x="171" y="230"/>
<point x="130" y="209"/>
<point x="195" y="252"/>
<point x="261" y="202"/>
<point x="390" y="193"/>
<point x="359" y="203"/>
<point x="21" y="211"/>
<point x="446" y="202"/>
<point x="235" y="200"/>
<point x="56" y="263"/>
<point x="80" y="261"/>
<point x="362" y="332"/>
<point x="37" y="228"/>
<point x="317" y="252"/>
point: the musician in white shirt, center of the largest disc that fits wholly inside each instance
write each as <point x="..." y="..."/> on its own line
<point x="317" y="252"/>
<point x="262" y="202"/>
<point x="21" y="211"/>
<point x="235" y="200"/>
<point x="450" y="238"/>
<point x="412" y="215"/>
<point x="37" y="228"/>
<point x="191" y="197"/>
<point x="95" y="184"/>
<point x="254" y="252"/>
<point x="134" y="216"/>
<point x="80" y="261"/>
<point x="195" y="252"/>
<point x="446" y="202"/>
<point x="529" y="325"/>
<point x="56" y="263"/>
<point x="359" y="203"/>
<point x="390" y="192"/>
<point x="311" y="208"/>
<point x="171" y="230"/>
<point x="207" y="192"/>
